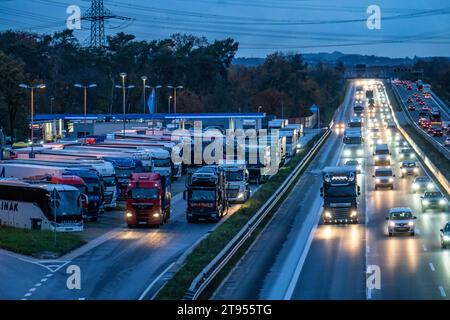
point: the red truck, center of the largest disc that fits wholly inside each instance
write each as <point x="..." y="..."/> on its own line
<point x="148" y="199"/>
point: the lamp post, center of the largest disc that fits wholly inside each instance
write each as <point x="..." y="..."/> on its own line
<point x="144" y="79"/>
<point x="168" y="107"/>
<point x="174" y="96"/>
<point x="85" y="87"/>
<point x="51" y="104"/>
<point x="123" y="75"/>
<point x="259" y="108"/>
<point x="31" y="87"/>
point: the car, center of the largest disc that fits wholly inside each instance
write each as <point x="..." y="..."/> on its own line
<point x="422" y="103"/>
<point x="447" y="142"/>
<point x="433" y="200"/>
<point x="445" y="235"/>
<point x="406" y="153"/>
<point x="437" y="131"/>
<point x="409" y="100"/>
<point x="430" y="131"/>
<point x="354" y="163"/>
<point x="422" y="183"/>
<point x="390" y="124"/>
<point x="401" y="221"/>
<point x="409" y="168"/>
<point x="408" y="88"/>
<point x="384" y="177"/>
<point x="399" y="142"/>
<point x="412" y="107"/>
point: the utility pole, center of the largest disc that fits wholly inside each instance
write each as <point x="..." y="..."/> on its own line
<point x="97" y="14"/>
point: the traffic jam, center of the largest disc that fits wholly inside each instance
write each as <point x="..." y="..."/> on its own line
<point x="69" y="184"/>
<point x="376" y="150"/>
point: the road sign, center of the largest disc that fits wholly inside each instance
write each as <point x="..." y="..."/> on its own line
<point x="314" y="108"/>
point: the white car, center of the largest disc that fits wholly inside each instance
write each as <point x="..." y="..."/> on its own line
<point x="447" y="142"/>
<point x="401" y="221"/>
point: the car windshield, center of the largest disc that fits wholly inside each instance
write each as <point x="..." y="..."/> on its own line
<point x="196" y="195"/>
<point x="383" y="173"/>
<point x="409" y="164"/>
<point x="401" y="215"/>
<point x="422" y="180"/>
<point x="144" y="193"/>
<point x="447" y="227"/>
<point x="435" y="194"/>
<point x="352" y="163"/>
<point x="406" y="151"/>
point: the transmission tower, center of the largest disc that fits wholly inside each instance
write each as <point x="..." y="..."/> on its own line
<point x="97" y="14"/>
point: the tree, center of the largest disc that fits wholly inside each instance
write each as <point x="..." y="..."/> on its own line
<point x="11" y="96"/>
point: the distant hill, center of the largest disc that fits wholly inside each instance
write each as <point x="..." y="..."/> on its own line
<point x="347" y="59"/>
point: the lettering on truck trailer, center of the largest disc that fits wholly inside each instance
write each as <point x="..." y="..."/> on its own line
<point x="9" y="206"/>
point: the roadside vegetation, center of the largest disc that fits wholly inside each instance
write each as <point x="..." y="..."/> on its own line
<point x="216" y="241"/>
<point x="34" y="242"/>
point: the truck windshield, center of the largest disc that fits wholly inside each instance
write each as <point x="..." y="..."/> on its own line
<point x="93" y="188"/>
<point x="355" y="124"/>
<point x="339" y="191"/>
<point x="144" y="193"/>
<point x="382" y="151"/>
<point x="234" y="175"/>
<point x="69" y="203"/>
<point x="202" y="195"/>
<point x="161" y="162"/>
<point x="109" y="181"/>
<point x="123" y="172"/>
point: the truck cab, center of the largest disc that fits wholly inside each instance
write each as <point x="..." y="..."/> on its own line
<point x="340" y="192"/>
<point x="148" y="199"/>
<point x="237" y="185"/>
<point x="381" y="155"/>
<point x="205" y="194"/>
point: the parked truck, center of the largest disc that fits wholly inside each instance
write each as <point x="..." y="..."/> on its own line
<point x="237" y="177"/>
<point x="206" y="194"/>
<point x="340" y="192"/>
<point x="148" y="199"/>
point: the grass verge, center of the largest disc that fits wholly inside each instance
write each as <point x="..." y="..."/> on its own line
<point x="216" y="241"/>
<point x="31" y="242"/>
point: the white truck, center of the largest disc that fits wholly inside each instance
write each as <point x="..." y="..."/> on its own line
<point x="237" y="184"/>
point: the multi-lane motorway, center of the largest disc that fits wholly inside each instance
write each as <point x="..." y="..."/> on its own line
<point x="298" y="257"/>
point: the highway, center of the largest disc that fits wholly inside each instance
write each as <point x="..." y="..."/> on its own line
<point x="298" y="257"/>
<point x="433" y="102"/>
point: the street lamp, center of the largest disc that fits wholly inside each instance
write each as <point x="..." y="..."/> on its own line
<point x="37" y="86"/>
<point x="144" y="78"/>
<point x="168" y="108"/>
<point x="259" y="108"/>
<point x="174" y="96"/>
<point x="85" y="87"/>
<point x="123" y="75"/>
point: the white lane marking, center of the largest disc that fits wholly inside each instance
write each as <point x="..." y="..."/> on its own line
<point x="44" y="279"/>
<point x="369" y="294"/>
<point x="28" y="294"/>
<point x="49" y="275"/>
<point x="432" y="267"/>
<point x="424" y="247"/>
<point x="155" y="281"/>
<point x="32" y="290"/>
<point x="441" y="289"/>
<point x="24" y="299"/>
<point x="81" y="299"/>
<point x="38" y="284"/>
<point x="367" y="248"/>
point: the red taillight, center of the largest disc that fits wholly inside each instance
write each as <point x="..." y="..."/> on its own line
<point x="83" y="203"/>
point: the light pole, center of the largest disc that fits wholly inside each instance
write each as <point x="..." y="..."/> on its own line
<point x="144" y="78"/>
<point x="168" y="107"/>
<point x="85" y="87"/>
<point x="123" y="75"/>
<point x="38" y="86"/>
<point x="259" y="108"/>
<point x="51" y="104"/>
<point x="174" y="96"/>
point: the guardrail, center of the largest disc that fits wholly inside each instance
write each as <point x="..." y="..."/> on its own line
<point x="421" y="155"/>
<point x="442" y="149"/>
<point x="215" y="266"/>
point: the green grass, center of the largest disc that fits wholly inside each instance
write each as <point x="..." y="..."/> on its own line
<point x="216" y="241"/>
<point x="30" y="242"/>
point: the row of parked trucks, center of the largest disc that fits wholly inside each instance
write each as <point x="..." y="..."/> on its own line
<point x="72" y="182"/>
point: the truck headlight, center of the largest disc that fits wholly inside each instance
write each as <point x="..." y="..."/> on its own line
<point x="392" y="224"/>
<point x="377" y="158"/>
<point x="404" y="170"/>
<point x="442" y="202"/>
<point x="328" y="214"/>
<point x="391" y="179"/>
<point x="446" y="238"/>
<point x="416" y="169"/>
<point x="353" y="214"/>
<point x="430" y="186"/>
<point x="240" y="195"/>
<point x="410" y="223"/>
<point x="155" y="215"/>
<point x="425" y="202"/>
<point x="415" y="186"/>
<point x="347" y="153"/>
<point x="377" y="180"/>
<point x="360" y="152"/>
<point x="129" y="215"/>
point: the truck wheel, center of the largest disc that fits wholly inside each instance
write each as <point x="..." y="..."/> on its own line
<point x="376" y="188"/>
<point x="390" y="234"/>
<point x="93" y="219"/>
<point x="412" y="234"/>
<point x="190" y="220"/>
<point x="130" y="226"/>
<point x="443" y="246"/>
